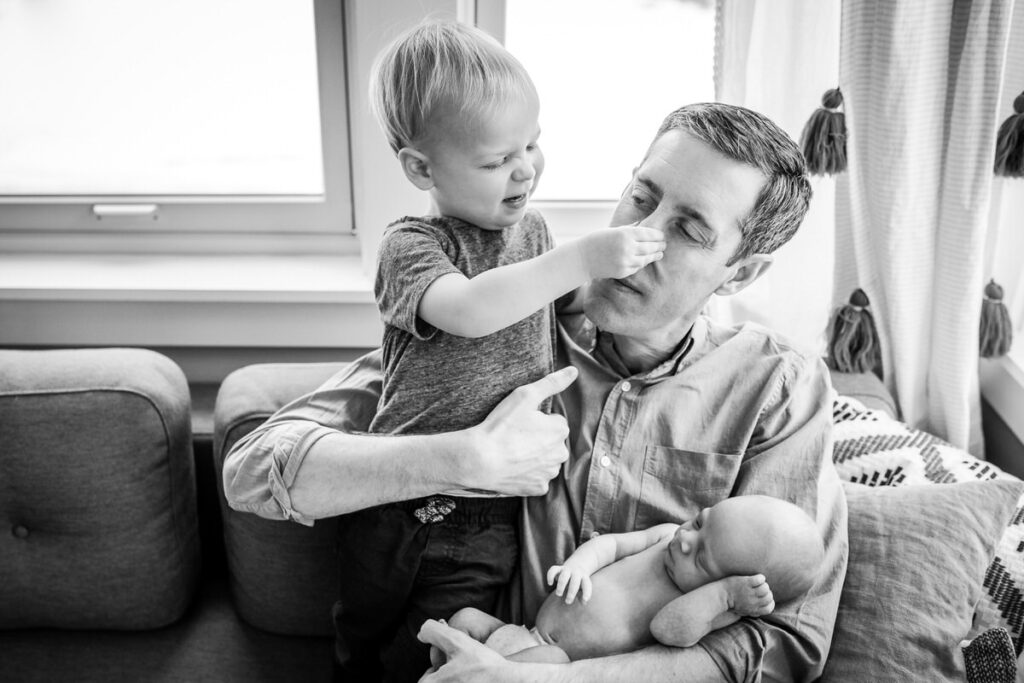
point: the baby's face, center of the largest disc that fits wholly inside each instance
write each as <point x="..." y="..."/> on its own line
<point x="484" y="168"/>
<point x="689" y="557"/>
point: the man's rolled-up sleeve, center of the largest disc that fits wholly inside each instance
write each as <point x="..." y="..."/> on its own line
<point x="791" y="458"/>
<point x="261" y="467"/>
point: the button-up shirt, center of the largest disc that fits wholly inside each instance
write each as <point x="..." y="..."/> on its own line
<point x="733" y="411"/>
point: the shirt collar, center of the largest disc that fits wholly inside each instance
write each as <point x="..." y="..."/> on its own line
<point x="603" y="350"/>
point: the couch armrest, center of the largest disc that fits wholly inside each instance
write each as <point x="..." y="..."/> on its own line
<point x="283" y="575"/>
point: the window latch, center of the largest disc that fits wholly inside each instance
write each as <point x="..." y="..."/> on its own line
<point x="102" y="211"/>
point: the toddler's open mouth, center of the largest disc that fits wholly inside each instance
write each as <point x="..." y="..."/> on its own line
<point x="516" y="201"/>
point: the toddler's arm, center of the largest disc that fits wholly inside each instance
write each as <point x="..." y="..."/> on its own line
<point x="497" y="298"/>
<point x="574" y="575"/>
<point x="691" y="616"/>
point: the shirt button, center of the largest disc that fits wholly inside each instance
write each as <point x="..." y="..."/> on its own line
<point x="626" y="386"/>
<point x="20" y="531"/>
<point x="605" y="461"/>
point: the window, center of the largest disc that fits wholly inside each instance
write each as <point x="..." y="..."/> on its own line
<point x="198" y="119"/>
<point x="607" y="72"/>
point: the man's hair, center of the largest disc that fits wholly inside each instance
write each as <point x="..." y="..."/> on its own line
<point x="441" y="64"/>
<point x="751" y="138"/>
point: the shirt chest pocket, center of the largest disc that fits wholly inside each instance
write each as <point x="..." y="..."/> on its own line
<point x="676" y="484"/>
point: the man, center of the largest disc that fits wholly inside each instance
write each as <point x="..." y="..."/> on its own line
<point x="670" y="413"/>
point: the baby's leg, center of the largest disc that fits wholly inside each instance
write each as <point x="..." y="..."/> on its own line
<point x="513" y="642"/>
<point x="478" y="624"/>
<point x="519" y="644"/>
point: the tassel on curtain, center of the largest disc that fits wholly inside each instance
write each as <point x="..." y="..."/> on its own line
<point x="996" y="332"/>
<point x="1010" y="143"/>
<point x="853" y="344"/>
<point x="823" y="140"/>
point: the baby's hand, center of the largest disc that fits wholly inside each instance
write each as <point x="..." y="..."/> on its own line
<point x="572" y="579"/>
<point x="749" y="596"/>
<point x="618" y="252"/>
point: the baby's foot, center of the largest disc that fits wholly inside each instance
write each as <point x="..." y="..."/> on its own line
<point x="749" y="596"/>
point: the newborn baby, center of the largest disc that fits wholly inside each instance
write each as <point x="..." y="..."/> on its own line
<point x="672" y="583"/>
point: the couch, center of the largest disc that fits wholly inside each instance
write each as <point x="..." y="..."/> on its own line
<point x="121" y="561"/>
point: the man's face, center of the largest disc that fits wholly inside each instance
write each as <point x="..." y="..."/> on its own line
<point x="697" y="197"/>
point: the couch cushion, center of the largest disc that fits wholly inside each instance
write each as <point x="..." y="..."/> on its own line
<point x="283" y="575"/>
<point x="97" y="490"/>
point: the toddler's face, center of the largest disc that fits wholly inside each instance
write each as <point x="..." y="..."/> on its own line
<point x="484" y="171"/>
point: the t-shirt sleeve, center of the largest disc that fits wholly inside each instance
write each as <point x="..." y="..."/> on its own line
<point x="410" y="258"/>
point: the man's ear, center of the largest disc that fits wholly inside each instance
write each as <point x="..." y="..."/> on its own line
<point x="416" y="167"/>
<point x="749" y="269"/>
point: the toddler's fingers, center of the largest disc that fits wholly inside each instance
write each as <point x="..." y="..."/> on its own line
<point x="641" y="234"/>
<point x="647" y="259"/>
<point x="649" y="248"/>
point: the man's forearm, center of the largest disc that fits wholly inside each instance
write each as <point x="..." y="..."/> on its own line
<point x="652" y="665"/>
<point x="342" y="472"/>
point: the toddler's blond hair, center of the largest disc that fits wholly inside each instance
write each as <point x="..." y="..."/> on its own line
<point x="441" y="64"/>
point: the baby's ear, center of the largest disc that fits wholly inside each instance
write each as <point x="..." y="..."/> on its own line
<point x="416" y="167"/>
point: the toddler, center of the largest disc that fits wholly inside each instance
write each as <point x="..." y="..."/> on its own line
<point x="670" y="584"/>
<point x="465" y="294"/>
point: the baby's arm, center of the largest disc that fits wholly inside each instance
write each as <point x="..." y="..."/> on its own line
<point x="497" y="298"/>
<point x="574" y="575"/>
<point x="691" y="616"/>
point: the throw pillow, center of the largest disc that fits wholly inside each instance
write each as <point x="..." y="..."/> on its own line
<point x="918" y="555"/>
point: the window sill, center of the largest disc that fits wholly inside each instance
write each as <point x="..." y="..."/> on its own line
<point x="1002" y="385"/>
<point x="190" y="300"/>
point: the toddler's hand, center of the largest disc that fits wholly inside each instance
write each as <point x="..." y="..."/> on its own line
<point x="749" y="596"/>
<point x="572" y="580"/>
<point x="618" y="252"/>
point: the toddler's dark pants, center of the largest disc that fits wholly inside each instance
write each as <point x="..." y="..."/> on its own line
<point x="397" y="571"/>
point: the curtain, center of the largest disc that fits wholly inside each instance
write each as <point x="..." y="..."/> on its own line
<point x="921" y="82"/>
<point x="779" y="58"/>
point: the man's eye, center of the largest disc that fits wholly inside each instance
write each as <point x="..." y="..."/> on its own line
<point x="641" y="201"/>
<point x="690" y="232"/>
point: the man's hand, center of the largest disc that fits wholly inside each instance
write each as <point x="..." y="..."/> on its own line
<point x="518" y="448"/>
<point x="573" y="578"/>
<point x="619" y="252"/>
<point x="464" y="659"/>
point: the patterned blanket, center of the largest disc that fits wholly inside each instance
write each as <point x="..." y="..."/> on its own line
<point x="873" y="449"/>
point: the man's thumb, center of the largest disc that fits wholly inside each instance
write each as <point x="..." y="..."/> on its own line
<point x="551" y="384"/>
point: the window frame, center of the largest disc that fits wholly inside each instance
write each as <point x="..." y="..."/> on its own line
<point x="213" y="224"/>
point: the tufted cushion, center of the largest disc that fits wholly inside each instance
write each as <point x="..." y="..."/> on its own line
<point x="97" y="490"/>
<point x="283" y="574"/>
